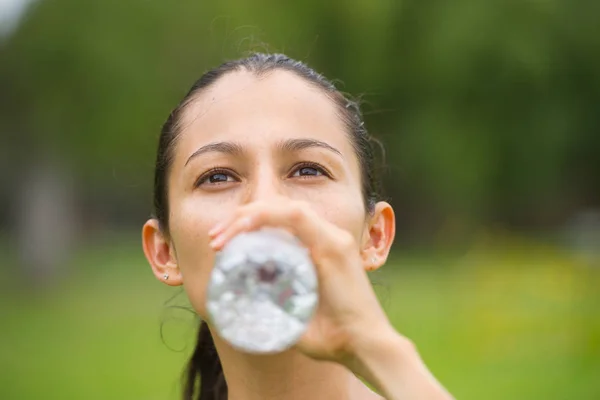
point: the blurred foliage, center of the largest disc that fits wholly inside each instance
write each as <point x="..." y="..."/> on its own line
<point x="489" y="110"/>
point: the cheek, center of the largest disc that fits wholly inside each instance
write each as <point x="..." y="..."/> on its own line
<point x="352" y="219"/>
<point x="189" y="224"/>
<point x="346" y="212"/>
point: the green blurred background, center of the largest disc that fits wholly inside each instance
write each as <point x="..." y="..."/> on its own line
<point x="490" y="116"/>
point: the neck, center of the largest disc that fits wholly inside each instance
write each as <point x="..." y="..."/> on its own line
<point x="289" y="375"/>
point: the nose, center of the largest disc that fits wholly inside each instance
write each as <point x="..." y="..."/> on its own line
<point x="264" y="185"/>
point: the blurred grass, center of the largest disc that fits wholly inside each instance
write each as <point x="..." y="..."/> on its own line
<point x="511" y="322"/>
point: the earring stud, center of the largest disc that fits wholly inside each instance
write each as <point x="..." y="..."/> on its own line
<point x="166" y="276"/>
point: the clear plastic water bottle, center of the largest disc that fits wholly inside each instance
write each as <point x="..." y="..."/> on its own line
<point x="263" y="291"/>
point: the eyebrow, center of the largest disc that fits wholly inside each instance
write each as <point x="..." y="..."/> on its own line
<point x="293" y="145"/>
<point x="218" y="147"/>
<point x="235" y="149"/>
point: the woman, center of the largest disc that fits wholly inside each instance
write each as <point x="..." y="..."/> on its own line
<point x="266" y="141"/>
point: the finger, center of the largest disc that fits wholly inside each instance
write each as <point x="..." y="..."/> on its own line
<point x="239" y="225"/>
<point x="245" y="219"/>
<point x="221" y="225"/>
<point x="324" y="239"/>
<point x="252" y="217"/>
<point x="296" y="217"/>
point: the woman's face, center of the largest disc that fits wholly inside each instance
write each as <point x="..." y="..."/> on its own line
<point x="250" y="139"/>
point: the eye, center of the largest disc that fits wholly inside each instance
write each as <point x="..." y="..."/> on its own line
<point x="309" y="170"/>
<point x="219" y="177"/>
<point x="216" y="177"/>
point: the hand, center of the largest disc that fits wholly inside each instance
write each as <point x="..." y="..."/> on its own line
<point x="348" y="312"/>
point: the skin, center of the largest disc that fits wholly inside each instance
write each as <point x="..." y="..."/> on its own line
<point x="273" y="126"/>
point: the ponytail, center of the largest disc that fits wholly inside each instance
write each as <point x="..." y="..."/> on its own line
<point x="203" y="379"/>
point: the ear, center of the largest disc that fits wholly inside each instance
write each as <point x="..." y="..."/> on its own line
<point x="159" y="253"/>
<point x="378" y="236"/>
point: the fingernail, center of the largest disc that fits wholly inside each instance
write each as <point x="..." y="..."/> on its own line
<point x="216" y="229"/>
<point x="216" y="242"/>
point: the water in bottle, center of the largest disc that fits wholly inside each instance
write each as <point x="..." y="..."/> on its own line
<point x="263" y="291"/>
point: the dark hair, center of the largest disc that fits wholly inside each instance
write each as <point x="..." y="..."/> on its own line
<point x="204" y="375"/>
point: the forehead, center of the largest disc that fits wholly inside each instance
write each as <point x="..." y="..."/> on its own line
<point x="243" y="107"/>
